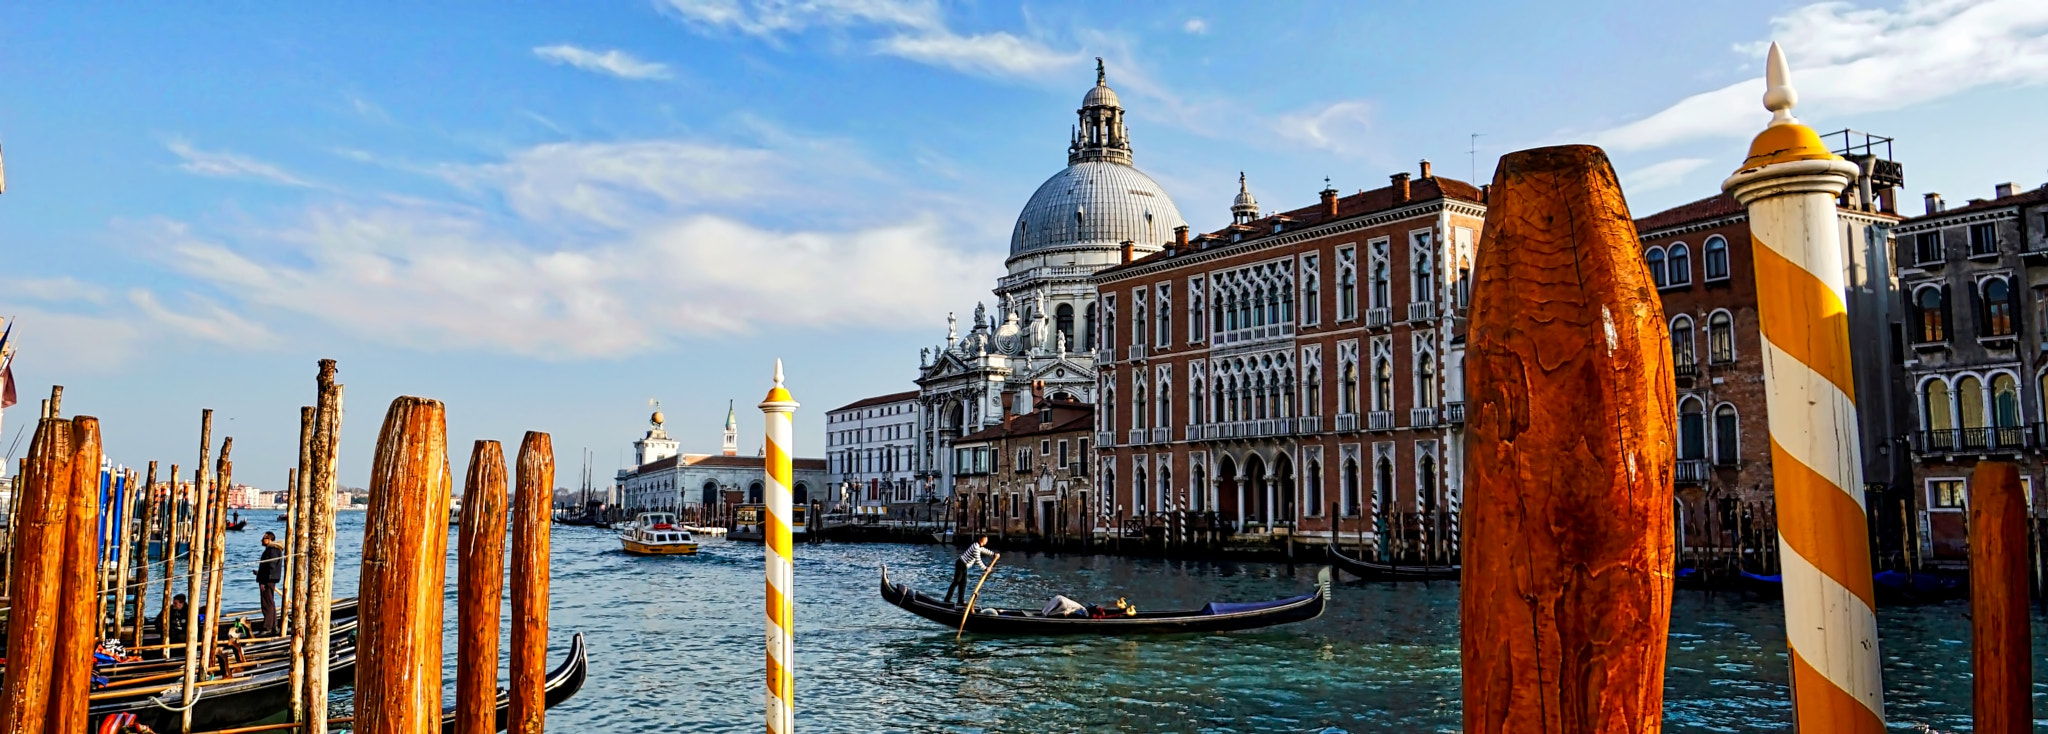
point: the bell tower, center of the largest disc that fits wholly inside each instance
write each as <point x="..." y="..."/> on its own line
<point x="732" y="432"/>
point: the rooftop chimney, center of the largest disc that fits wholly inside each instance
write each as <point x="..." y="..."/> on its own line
<point x="2005" y="189"/>
<point x="1180" y="238"/>
<point x="1425" y="169"/>
<point x="1485" y="192"/>
<point x="1127" y="251"/>
<point x="1933" y="203"/>
<point x="1329" y="200"/>
<point x="1400" y="187"/>
<point x="1888" y="200"/>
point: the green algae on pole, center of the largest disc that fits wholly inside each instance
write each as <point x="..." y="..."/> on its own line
<point x="1566" y="588"/>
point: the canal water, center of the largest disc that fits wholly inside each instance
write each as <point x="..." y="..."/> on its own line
<point x="675" y="645"/>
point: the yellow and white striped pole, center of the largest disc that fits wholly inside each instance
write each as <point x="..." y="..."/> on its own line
<point x="1789" y="183"/>
<point x="779" y="408"/>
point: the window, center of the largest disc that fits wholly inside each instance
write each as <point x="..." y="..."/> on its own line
<point x="1726" y="435"/>
<point x="1681" y="342"/>
<point x="1315" y="487"/>
<point x="1983" y="239"/>
<point x="2005" y="401"/>
<point x="1692" y="430"/>
<point x="1081" y="462"/>
<point x="1655" y="259"/>
<point x="1383" y="385"/>
<point x="1463" y="291"/>
<point x="1348" y="400"/>
<point x="1970" y="401"/>
<point x="1088" y="329"/>
<point x="1347" y="285"/>
<point x="1720" y="338"/>
<point x="1196" y="317"/>
<point x="1935" y="412"/>
<point x="1999" y="306"/>
<point x="1164" y="293"/>
<point x="1138" y="317"/>
<point x="1138" y="490"/>
<point x="1312" y="392"/>
<point x="1044" y="447"/>
<point x="1930" y="305"/>
<point x="1350" y="501"/>
<point x="1063" y="322"/>
<point x="1023" y="463"/>
<point x="1425" y="267"/>
<point x="1139" y="405"/>
<point x="1311" y="302"/>
<point x="1945" y="494"/>
<point x="1716" y="255"/>
<point x="1109" y="321"/>
<point x="1065" y="459"/>
<point x="1927" y="248"/>
<point x="1678" y="265"/>
<point x="1425" y="380"/>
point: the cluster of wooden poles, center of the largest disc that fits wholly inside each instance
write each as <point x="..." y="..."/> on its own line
<point x="69" y="591"/>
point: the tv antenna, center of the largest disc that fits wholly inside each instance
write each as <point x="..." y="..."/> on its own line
<point x="1473" y="152"/>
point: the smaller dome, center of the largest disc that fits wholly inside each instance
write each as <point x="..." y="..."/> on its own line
<point x="1100" y="95"/>
<point x="657" y="418"/>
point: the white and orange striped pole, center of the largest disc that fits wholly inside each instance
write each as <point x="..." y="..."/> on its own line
<point x="1789" y="183"/>
<point x="779" y="408"/>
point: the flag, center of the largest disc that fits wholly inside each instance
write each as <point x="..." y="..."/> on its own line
<point x="7" y="386"/>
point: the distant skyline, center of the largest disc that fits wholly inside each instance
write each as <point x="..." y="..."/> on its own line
<point x="547" y="214"/>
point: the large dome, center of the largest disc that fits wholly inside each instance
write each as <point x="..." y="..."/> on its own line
<point x="1095" y="205"/>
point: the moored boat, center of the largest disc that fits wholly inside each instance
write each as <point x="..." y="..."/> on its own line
<point x="657" y="534"/>
<point x="1371" y="571"/>
<point x="1213" y="617"/>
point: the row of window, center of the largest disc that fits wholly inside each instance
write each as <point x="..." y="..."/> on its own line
<point x="870" y="461"/>
<point x="1982" y="239"/>
<point x="1261" y="387"/>
<point x="1720" y="340"/>
<point x="891" y="432"/>
<point x="1965" y="403"/>
<point x="1060" y="454"/>
<point x="1154" y="491"/>
<point x="1726" y="446"/>
<point x="1997" y="305"/>
<point x="1671" y="266"/>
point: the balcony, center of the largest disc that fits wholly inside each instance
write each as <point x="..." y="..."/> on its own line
<point x="1105" y="355"/>
<point x="1193" y="433"/>
<point x="1137" y="352"/>
<point x="1377" y="318"/>
<point x="1137" y="437"/>
<point x="1422" y="417"/>
<point x="1308" y="424"/>
<point x="1347" y="422"/>
<point x="1105" y="439"/>
<point x="1159" y="435"/>
<point x="1379" y="420"/>
<point x="2001" y="440"/>
<point x="1454" y="412"/>
<point x="1692" y="471"/>
<point x="1422" y="311"/>
<point x="1685" y="370"/>
<point x="1939" y="441"/>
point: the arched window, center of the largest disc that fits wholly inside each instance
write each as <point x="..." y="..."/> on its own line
<point x="1383" y="385"/>
<point x="1998" y="308"/>
<point x="1936" y="411"/>
<point x="1286" y="304"/>
<point x="1720" y="338"/>
<point x="1138" y="489"/>
<point x="1425" y="487"/>
<point x="1716" y="255"/>
<point x="1655" y="258"/>
<point x="1692" y="429"/>
<point x="1381" y="293"/>
<point x="1138" y="404"/>
<point x="1678" y="265"/>
<point x="1681" y="342"/>
<point x="1425" y="271"/>
<point x="1350" y="501"/>
<point x="2005" y="401"/>
<point x="1348" y="400"/>
<point x="1311" y="306"/>
<point x="1063" y="320"/>
<point x="1216" y="309"/>
<point x="1315" y="487"/>
<point x="1198" y="491"/>
<point x="1347" y="293"/>
<point x="1727" y="435"/>
<point x="1425" y="380"/>
<point x="1931" y="307"/>
<point x="1195" y="404"/>
<point x="1164" y="500"/>
<point x="1970" y="401"/>
<point x="1088" y="329"/>
<point x="1383" y="488"/>
<point x="1312" y="393"/>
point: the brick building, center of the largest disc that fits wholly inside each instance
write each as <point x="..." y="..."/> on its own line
<point x="1699" y="255"/>
<point x="1292" y="365"/>
<point x="1027" y="475"/>
<point x="1970" y="279"/>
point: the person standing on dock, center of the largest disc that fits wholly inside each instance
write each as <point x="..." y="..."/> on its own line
<point x="269" y="571"/>
<point x="171" y="623"/>
<point x="967" y="561"/>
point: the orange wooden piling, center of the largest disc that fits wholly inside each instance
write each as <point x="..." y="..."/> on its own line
<point x="1566" y="593"/>
<point x="482" y="564"/>
<point x="2001" y="644"/>
<point x="530" y="520"/>
<point x="320" y="546"/>
<point x="195" y="563"/>
<point x="78" y="623"/>
<point x="172" y="533"/>
<point x="149" y="515"/>
<point x="41" y="512"/>
<point x="405" y="545"/>
<point x="295" y="573"/>
<point x="217" y="551"/>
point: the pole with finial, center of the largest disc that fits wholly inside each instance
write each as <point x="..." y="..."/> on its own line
<point x="779" y="409"/>
<point x="1789" y="184"/>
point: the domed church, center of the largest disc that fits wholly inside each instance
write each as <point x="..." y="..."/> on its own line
<point x="1098" y="212"/>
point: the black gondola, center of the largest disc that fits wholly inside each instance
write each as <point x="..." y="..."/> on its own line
<point x="1215" y="617"/>
<point x="238" y="525"/>
<point x="1388" y="572"/>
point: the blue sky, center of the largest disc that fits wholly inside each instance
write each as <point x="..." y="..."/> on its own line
<point x="546" y="214"/>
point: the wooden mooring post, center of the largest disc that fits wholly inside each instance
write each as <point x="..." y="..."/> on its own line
<point x="2001" y="642"/>
<point x="481" y="562"/>
<point x="173" y="532"/>
<point x="296" y="573"/>
<point x="217" y="550"/>
<point x="202" y="504"/>
<point x="42" y="505"/>
<point x="320" y="547"/>
<point x="1566" y="593"/>
<point x="530" y="549"/>
<point x="151" y="506"/>
<point x="78" y="623"/>
<point x="405" y="546"/>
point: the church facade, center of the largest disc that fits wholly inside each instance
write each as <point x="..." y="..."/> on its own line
<point x="1089" y="216"/>
<point x="663" y="478"/>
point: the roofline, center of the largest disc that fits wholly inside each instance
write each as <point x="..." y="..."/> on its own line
<point x="1434" y="205"/>
<point x="894" y="397"/>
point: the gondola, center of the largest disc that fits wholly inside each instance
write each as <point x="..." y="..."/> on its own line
<point x="238" y="525"/>
<point x="1390" y="572"/>
<point x="1214" y="617"/>
<point x="1925" y="587"/>
<point x="562" y="683"/>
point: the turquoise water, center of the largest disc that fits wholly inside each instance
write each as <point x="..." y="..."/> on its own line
<point x="676" y="646"/>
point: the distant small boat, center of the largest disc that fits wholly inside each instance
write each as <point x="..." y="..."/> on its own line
<point x="702" y="530"/>
<point x="283" y="518"/>
<point x="657" y="534"/>
<point x="238" y="525"/>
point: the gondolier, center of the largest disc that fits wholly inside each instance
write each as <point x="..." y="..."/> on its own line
<point x="269" y="571"/>
<point x="968" y="560"/>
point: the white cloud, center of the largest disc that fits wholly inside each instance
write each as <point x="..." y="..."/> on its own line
<point x="618" y="184"/>
<point x="1196" y="26"/>
<point x="913" y="29"/>
<point x="1341" y="127"/>
<point x="59" y="289"/>
<point x="614" y="62"/>
<point x="1661" y="175"/>
<point x="230" y="165"/>
<point x="1847" y="60"/>
<point x="212" y="322"/>
<point x="53" y="344"/>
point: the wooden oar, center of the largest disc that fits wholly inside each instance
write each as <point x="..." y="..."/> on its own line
<point x="976" y="595"/>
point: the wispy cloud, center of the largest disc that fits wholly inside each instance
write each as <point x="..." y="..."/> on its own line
<point x="909" y="29"/>
<point x="1345" y="128"/>
<point x="1847" y="59"/>
<point x="614" y="62"/>
<point x="210" y="322"/>
<point x="1662" y="175"/>
<point x="1195" y="26"/>
<point x="220" y="164"/>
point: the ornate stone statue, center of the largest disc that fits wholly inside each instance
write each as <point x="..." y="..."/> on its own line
<point x="1060" y="339"/>
<point x="980" y="315"/>
<point x="952" y="328"/>
<point x="924" y="357"/>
